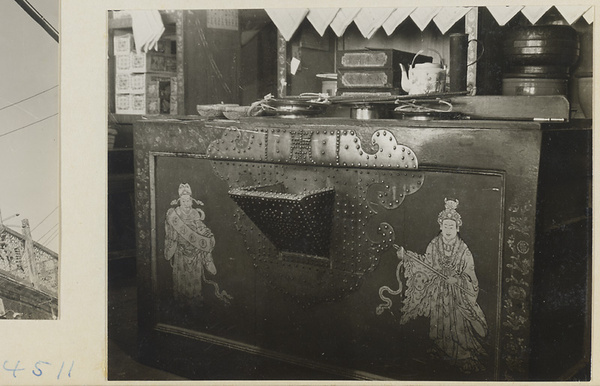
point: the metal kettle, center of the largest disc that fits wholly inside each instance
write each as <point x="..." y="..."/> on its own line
<point x="424" y="78"/>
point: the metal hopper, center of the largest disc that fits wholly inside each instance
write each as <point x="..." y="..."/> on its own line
<point x="293" y="222"/>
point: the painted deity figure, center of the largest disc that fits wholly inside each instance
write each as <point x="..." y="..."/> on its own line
<point x="442" y="286"/>
<point x="188" y="247"/>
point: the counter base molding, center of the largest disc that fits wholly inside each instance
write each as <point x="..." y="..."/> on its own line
<point x="260" y="237"/>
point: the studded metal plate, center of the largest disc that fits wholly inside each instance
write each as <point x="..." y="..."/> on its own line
<point x="239" y="143"/>
<point x="297" y="223"/>
<point x="357" y="235"/>
<point x="327" y="147"/>
<point x="364" y="181"/>
<point x="389" y="153"/>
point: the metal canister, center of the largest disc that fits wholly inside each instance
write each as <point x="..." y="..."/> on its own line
<point x="458" y="62"/>
<point x="542" y="45"/>
<point x="534" y="86"/>
<point x="367" y="112"/>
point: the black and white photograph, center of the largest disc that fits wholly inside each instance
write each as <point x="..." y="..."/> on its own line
<point x="29" y="155"/>
<point x="334" y="194"/>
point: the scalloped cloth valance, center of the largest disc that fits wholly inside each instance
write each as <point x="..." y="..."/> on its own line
<point x="370" y="20"/>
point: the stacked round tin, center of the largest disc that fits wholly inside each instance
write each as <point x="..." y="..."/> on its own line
<point x="539" y="58"/>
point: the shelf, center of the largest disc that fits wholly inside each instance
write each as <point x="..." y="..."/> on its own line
<point x="121" y="254"/>
<point x="124" y="119"/>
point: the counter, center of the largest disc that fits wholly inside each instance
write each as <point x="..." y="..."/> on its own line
<point x="320" y="244"/>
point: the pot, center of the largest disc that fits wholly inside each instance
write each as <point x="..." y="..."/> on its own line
<point x="540" y="45"/>
<point x="295" y="108"/>
<point x="366" y="112"/>
<point x="534" y="86"/>
<point x="547" y="71"/>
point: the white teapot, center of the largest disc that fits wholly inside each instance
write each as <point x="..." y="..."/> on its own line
<point x="424" y="78"/>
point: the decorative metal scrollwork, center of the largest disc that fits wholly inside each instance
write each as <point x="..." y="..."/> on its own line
<point x="389" y="154"/>
<point x="303" y="223"/>
<point x="314" y="147"/>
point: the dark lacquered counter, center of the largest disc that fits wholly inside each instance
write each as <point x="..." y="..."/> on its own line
<point x="357" y="190"/>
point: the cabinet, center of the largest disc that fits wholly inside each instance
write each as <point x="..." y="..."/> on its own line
<point x="122" y="25"/>
<point x="207" y="71"/>
<point x="207" y="56"/>
<point x="276" y="243"/>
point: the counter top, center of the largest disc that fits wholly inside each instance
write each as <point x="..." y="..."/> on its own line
<point x="336" y="121"/>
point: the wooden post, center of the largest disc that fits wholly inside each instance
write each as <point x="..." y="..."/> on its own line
<point x="179" y="36"/>
<point x="29" y="252"/>
<point x="281" y="65"/>
<point x="471" y="28"/>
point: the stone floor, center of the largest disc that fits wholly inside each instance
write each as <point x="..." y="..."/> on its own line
<point x="122" y="336"/>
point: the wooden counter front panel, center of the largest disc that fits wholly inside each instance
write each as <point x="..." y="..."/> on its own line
<point x="239" y="271"/>
<point x="321" y="310"/>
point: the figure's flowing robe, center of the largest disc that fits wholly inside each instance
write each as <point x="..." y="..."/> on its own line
<point x="188" y="246"/>
<point x="455" y="317"/>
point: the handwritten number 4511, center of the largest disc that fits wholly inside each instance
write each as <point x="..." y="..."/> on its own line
<point x="40" y="367"/>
